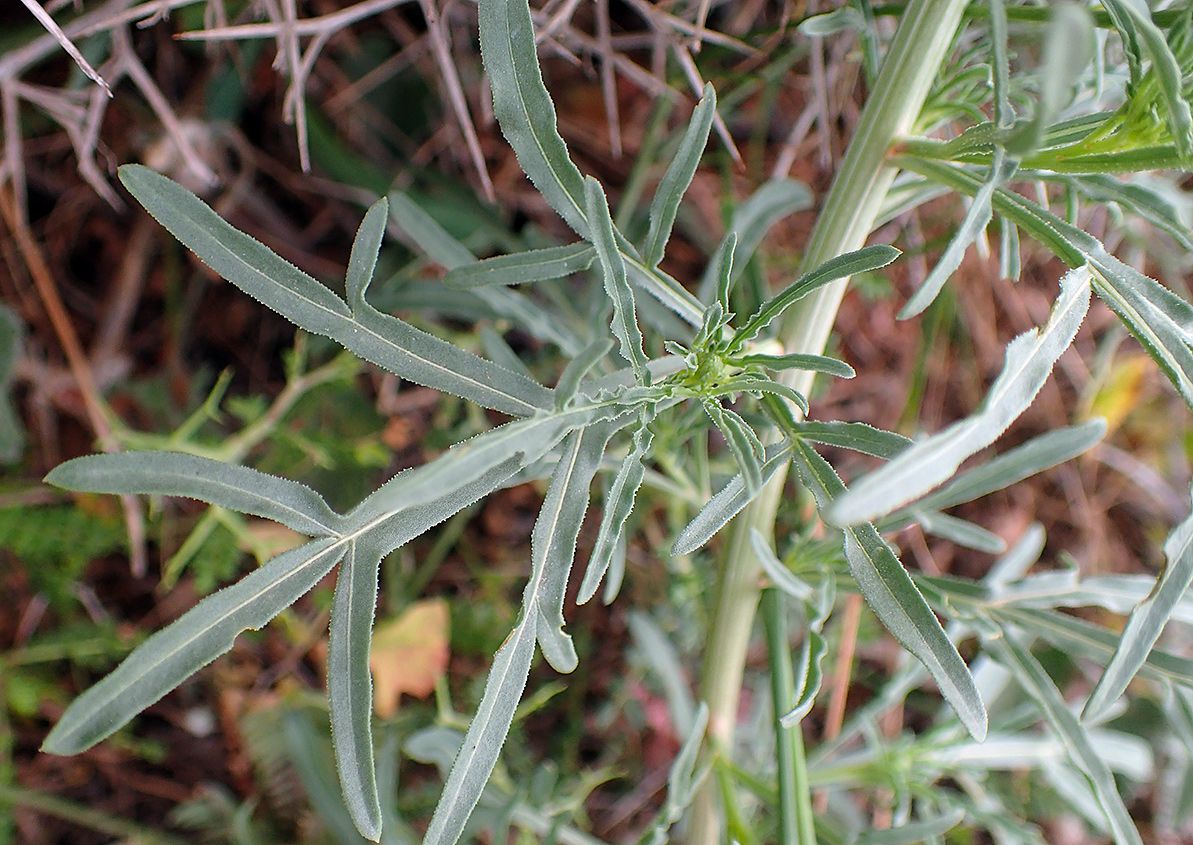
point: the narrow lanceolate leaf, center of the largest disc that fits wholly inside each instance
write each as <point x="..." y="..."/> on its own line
<point x="618" y="506"/>
<point x="843" y="266"/>
<point x="914" y="833"/>
<point x="961" y="531"/>
<point x="617" y="285"/>
<point x="179" y="650"/>
<point x="808" y="678"/>
<point x="1166" y="69"/>
<point x="578" y="368"/>
<point x="1034" y="456"/>
<point x="856" y="436"/>
<point x="1035" y="681"/>
<point x="678" y="176"/>
<point x="519" y="268"/>
<point x="553" y="541"/>
<point x="379" y="338"/>
<point x="350" y="686"/>
<point x="1146" y="622"/>
<point x="482" y="744"/>
<point x="894" y="598"/>
<point x="176" y="474"/>
<point x="727" y="503"/>
<point x="750" y="223"/>
<point x="798" y="361"/>
<point x="524" y="109"/>
<point x="742" y="441"/>
<point x="781" y="577"/>
<point x="975" y="222"/>
<point x="362" y="262"/>
<point x="927" y="464"/>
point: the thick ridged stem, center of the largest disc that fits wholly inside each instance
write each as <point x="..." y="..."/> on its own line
<point x="925" y="34"/>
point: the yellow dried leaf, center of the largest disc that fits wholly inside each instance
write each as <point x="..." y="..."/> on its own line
<point x="409" y="654"/>
<point x="1122" y="391"/>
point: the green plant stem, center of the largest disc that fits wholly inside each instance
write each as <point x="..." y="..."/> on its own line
<point x="925" y="33"/>
<point x="795" y="798"/>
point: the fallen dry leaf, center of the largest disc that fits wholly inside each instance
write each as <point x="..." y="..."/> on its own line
<point x="409" y="654"/>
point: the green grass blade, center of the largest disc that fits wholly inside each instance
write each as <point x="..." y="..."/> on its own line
<point x="618" y="506"/>
<point x="927" y="464"/>
<point x="617" y="285"/>
<point x="524" y="109"/>
<point x="1146" y="622"/>
<point x="176" y="474"/>
<point x="843" y="266"/>
<point x="482" y="744"/>
<point x="727" y="503"/>
<point x="536" y="265"/>
<point x="350" y="686"/>
<point x="180" y="649"/>
<point x="677" y="177"/>
<point x="362" y="262"/>
<point x="1035" y="681"/>
<point x="894" y="598"/>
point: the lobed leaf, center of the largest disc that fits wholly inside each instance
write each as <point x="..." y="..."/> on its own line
<point x="1146" y="623"/>
<point x="677" y="177"/>
<point x="379" y="338"/>
<point x="893" y="596"/>
<point x="350" y="685"/>
<point x="180" y="649"/>
<point x="925" y="465"/>
<point x="177" y="474"/>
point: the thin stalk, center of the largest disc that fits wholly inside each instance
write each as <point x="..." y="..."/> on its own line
<point x="795" y="798"/>
<point x="925" y="33"/>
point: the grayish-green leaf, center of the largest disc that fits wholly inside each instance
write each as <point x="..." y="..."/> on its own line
<point x="682" y="780"/>
<point x="975" y="222"/>
<point x="1146" y="622"/>
<point x="797" y="361"/>
<point x="742" y="441"/>
<point x="843" y="266"/>
<point x="524" y="109"/>
<point x="578" y="368"/>
<point x="362" y="262"/>
<point x="727" y="503"/>
<point x="482" y="744"/>
<point x="379" y="338"/>
<point x="751" y="221"/>
<point x="894" y="598"/>
<point x="665" y="666"/>
<point x="961" y="531"/>
<point x="180" y="649"/>
<point x="350" y="686"/>
<point x="617" y="285"/>
<point x="553" y="541"/>
<point x="724" y="270"/>
<point x="519" y="268"/>
<point x="781" y="577"/>
<point x="618" y="505"/>
<point x="677" y="177"/>
<point x="809" y="677"/>
<point x="1040" y="687"/>
<point x="176" y="474"/>
<point x="924" y="466"/>
<point x="913" y="833"/>
<point x="856" y="436"/>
